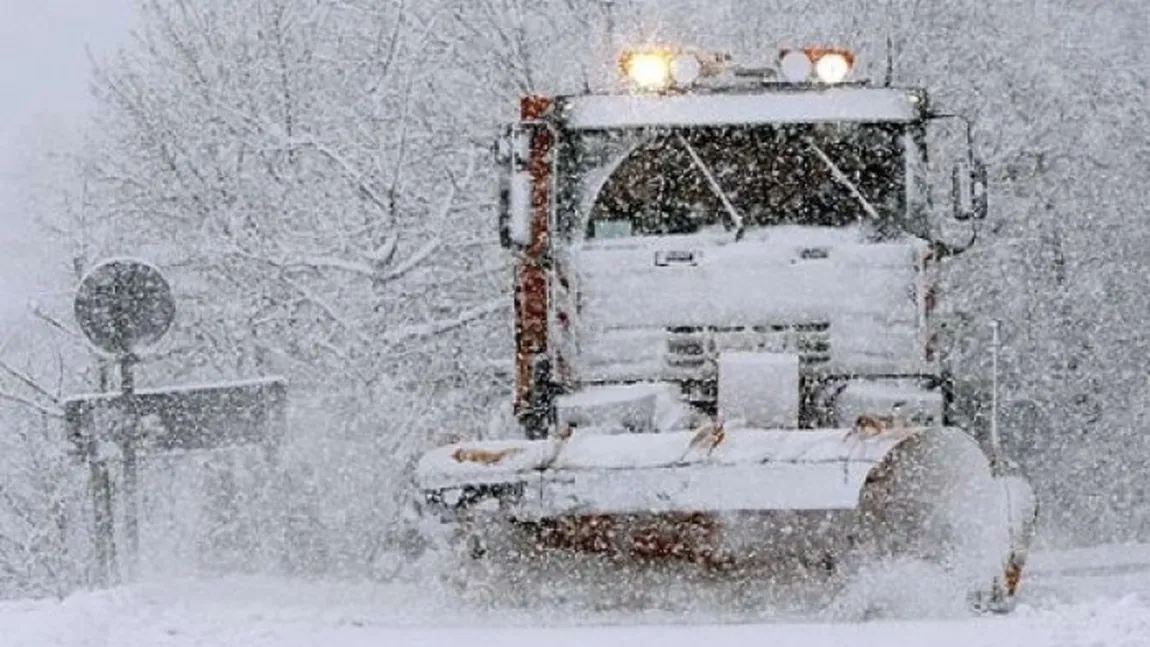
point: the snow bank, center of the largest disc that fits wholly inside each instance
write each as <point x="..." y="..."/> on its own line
<point x="256" y="612"/>
<point x="1097" y="560"/>
<point x="901" y="589"/>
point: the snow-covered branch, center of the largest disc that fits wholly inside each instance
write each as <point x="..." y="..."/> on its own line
<point x="349" y="174"/>
<point x="327" y="262"/>
<point x="432" y="328"/>
<point x="417" y="258"/>
<point x="330" y="311"/>
<point x="28" y="382"/>
<point x="55" y="413"/>
<point x="429" y="248"/>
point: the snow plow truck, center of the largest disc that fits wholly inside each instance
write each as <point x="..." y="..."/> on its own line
<point x="727" y="350"/>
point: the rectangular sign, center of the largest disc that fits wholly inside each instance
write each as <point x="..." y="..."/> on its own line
<point x="184" y="418"/>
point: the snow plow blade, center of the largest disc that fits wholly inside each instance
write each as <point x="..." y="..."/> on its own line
<point x="756" y="499"/>
<point x="767" y="503"/>
<point x="606" y="474"/>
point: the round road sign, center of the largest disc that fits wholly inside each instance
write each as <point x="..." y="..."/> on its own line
<point x="123" y="305"/>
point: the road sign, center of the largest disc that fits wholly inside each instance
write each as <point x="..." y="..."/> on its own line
<point x="184" y="418"/>
<point x="157" y="421"/>
<point x="123" y="305"/>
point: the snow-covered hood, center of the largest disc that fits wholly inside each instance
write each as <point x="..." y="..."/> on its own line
<point x="632" y="291"/>
<point x="689" y="281"/>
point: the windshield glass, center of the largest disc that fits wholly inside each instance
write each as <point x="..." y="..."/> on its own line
<point x="682" y="181"/>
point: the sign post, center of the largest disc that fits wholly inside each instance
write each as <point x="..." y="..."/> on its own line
<point x="170" y="420"/>
<point x="122" y="306"/>
<point x="129" y="426"/>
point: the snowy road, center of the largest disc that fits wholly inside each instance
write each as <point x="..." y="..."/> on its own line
<point x="1095" y="597"/>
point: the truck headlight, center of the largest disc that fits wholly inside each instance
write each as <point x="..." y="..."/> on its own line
<point x="648" y="70"/>
<point x="795" y="65"/>
<point x="655" y="69"/>
<point x="829" y="66"/>
<point x="685" y="69"/>
<point x="833" y="67"/>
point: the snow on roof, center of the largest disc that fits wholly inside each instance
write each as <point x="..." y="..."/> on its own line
<point x="836" y="104"/>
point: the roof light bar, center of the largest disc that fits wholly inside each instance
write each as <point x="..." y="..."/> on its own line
<point x="659" y="68"/>
<point x="822" y="65"/>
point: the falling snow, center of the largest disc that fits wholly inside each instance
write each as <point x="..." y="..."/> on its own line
<point x="315" y="182"/>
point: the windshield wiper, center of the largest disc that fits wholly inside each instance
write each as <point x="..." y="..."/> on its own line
<point x="843" y="179"/>
<point x="736" y="217"/>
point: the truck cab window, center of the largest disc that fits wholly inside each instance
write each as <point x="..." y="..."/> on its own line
<point x="824" y="175"/>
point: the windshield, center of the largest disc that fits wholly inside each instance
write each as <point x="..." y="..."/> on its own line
<point x="682" y="181"/>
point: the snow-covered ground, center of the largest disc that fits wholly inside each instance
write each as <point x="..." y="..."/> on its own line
<point x="1090" y="597"/>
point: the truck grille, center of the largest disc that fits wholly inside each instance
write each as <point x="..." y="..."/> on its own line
<point x="696" y="349"/>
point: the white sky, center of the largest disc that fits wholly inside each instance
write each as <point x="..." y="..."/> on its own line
<point x="43" y="85"/>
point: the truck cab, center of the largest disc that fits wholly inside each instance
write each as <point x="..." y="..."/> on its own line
<point x="756" y="243"/>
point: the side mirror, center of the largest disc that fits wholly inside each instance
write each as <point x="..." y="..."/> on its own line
<point x="979" y="185"/>
<point x="968" y="191"/>
<point x="511" y="152"/>
<point x="960" y="192"/>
